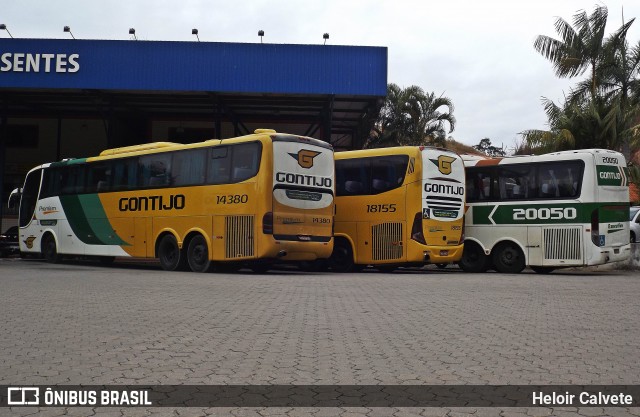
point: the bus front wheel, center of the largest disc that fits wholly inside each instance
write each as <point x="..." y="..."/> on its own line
<point x="50" y="249"/>
<point x="198" y="254"/>
<point x="341" y="259"/>
<point x="473" y="258"/>
<point x="169" y="253"/>
<point x="508" y="258"/>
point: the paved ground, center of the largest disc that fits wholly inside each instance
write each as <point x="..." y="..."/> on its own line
<point x="132" y="324"/>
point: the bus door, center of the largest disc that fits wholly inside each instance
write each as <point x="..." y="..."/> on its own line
<point x="303" y="191"/>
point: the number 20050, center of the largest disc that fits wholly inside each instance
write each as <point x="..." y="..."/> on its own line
<point x="556" y="213"/>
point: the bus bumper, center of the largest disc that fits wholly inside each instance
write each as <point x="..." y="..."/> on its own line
<point x="286" y="251"/>
<point x="434" y="254"/>
<point x="608" y="255"/>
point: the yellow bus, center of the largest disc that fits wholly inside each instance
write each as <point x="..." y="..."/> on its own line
<point x="249" y="200"/>
<point x="398" y="207"/>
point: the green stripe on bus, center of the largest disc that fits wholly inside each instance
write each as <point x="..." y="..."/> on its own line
<point x="69" y="162"/>
<point x="89" y="221"/>
<point x="567" y="213"/>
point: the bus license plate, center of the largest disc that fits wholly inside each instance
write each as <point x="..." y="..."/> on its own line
<point x="444" y="253"/>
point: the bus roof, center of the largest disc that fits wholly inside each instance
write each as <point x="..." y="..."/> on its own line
<point x="159" y="147"/>
<point x="394" y="150"/>
<point x="475" y="160"/>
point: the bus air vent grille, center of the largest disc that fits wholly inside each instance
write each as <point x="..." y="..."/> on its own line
<point x="386" y="241"/>
<point x="239" y="236"/>
<point x="563" y="243"/>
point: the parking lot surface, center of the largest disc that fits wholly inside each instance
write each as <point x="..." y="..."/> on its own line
<point x="80" y="323"/>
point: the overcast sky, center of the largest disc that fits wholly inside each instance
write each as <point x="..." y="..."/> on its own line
<point x="478" y="53"/>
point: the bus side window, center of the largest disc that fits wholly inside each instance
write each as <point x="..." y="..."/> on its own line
<point x="124" y="177"/>
<point x="188" y="167"/>
<point x="98" y="177"/>
<point x="73" y="179"/>
<point x="353" y="176"/>
<point x="478" y="185"/>
<point x="50" y="183"/>
<point x="387" y="173"/>
<point x="246" y="161"/>
<point x="218" y="171"/>
<point x="514" y="182"/>
<point x="155" y="170"/>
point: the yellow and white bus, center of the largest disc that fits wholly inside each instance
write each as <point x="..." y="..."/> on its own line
<point x="549" y="211"/>
<point x="248" y="200"/>
<point x="398" y="207"/>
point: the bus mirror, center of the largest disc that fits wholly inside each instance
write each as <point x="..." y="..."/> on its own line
<point x="14" y="198"/>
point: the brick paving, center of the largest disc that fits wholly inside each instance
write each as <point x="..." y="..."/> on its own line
<point x="80" y="323"/>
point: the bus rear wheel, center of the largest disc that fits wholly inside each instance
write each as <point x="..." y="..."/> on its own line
<point x="169" y="254"/>
<point x="50" y="249"/>
<point x="508" y="258"/>
<point x="198" y="254"/>
<point x="473" y="258"/>
<point x="341" y="259"/>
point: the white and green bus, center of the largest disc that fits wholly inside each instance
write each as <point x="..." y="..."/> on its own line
<point x="563" y="209"/>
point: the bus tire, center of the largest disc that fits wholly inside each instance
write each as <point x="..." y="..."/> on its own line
<point x="473" y="258"/>
<point x="542" y="269"/>
<point x="169" y="254"/>
<point x="632" y="238"/>
<point x="198" y="254"/>
<point x="508" y="258"/>
<point x="50" y="249"/>
<point x="341" y="259"/>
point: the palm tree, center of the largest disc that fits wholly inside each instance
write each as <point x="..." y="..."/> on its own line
<point x="411" y="117"/>
<point x="578" y="125"/>
<point x="580" y="48"/>
<point x="602" y="110"/>
<point x="559" y="136"/>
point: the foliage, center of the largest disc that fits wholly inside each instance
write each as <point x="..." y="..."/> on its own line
<point x="487" y="148"/>
<point x="412" y="117"/>
<point x="603" y="110"/>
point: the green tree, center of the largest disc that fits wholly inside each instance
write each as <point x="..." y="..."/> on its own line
<point x="579" y="48"/>
<point x="602" y="110"/>
<point x="412" y="117"/>
<point x="487" y="148"/>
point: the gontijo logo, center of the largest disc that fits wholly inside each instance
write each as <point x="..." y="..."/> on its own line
<point x="305" y="157"/>
<point x="444" y="163"/>
<point x="29" y="241"/>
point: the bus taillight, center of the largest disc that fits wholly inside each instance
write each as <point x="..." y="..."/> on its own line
<point x="267" y="223"/>
<point x="416" y="229"/>
<point x="595" y="228"/>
